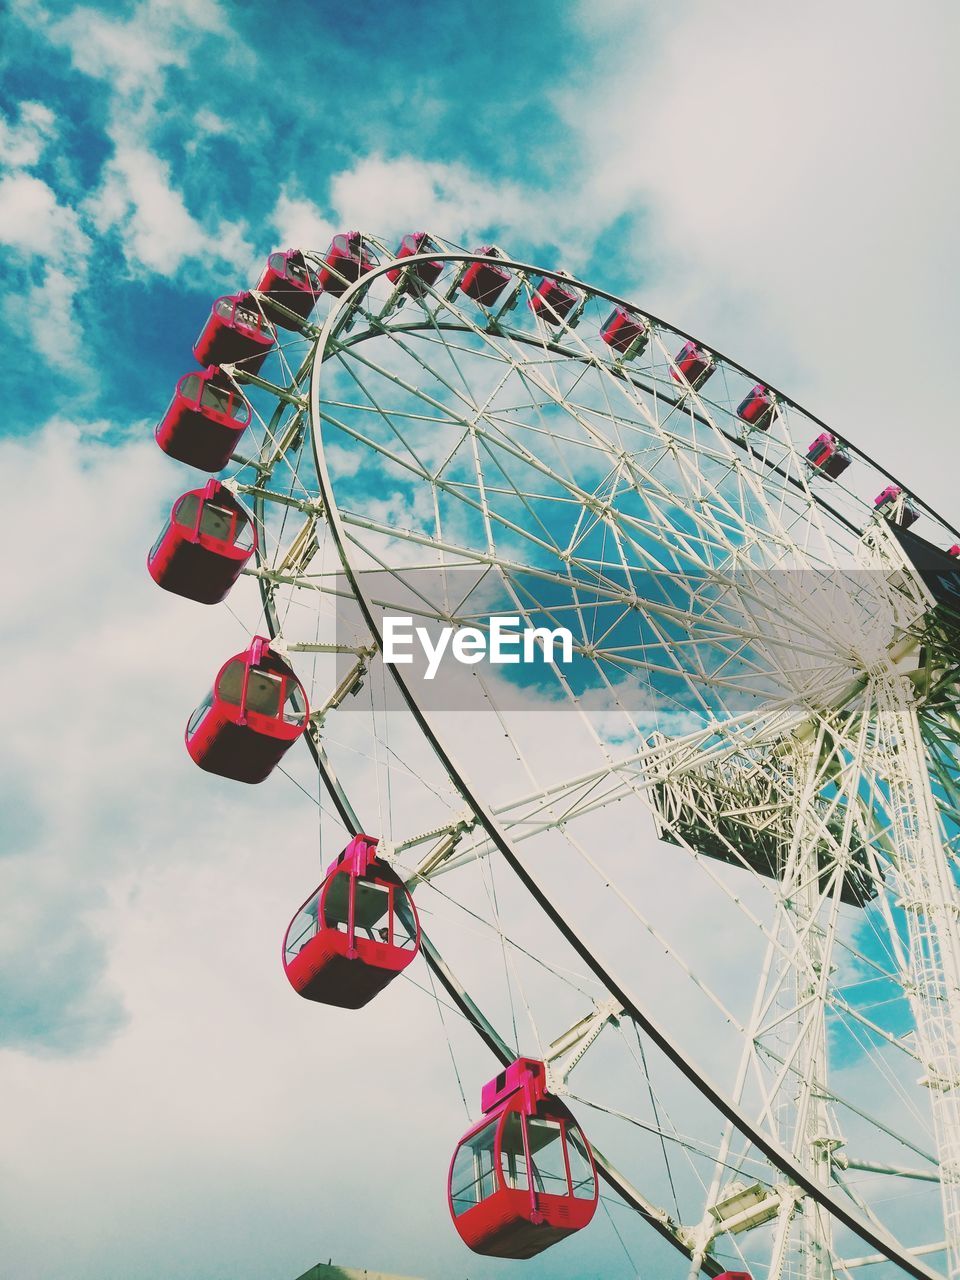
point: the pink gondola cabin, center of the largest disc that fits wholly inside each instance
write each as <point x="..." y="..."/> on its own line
<point x="204" y="545"/>
<point x="345" y="261"/>
<point x="256" y="711"/>
<point x="523" y="1177"/>
<point x="756" y="408"/>
<point x="235" y="333"/>
<point x="694" y="363"/>
<point x="484" y="281"/>
<point x="553" y="300"/>
<point x="355" y="934"/>
<point x="892" y="503"/>
<point x="827" y="457"/>
<point x="288" y="279"/>
<point x="205" y="420"/>
<point x="625" y="333"/>
<point x="422" y="276"/>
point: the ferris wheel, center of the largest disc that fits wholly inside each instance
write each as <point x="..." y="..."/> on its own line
<point x="693" y="883"/>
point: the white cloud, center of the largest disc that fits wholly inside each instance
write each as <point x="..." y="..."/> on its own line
<point x="33" y="221"/>
<point x="50" y="312"/>
<point x="207" y="125"/>
<point x="152" y="900"/>
<point x="37" y="227"/>
<point x="391" y="197"/>
<point x="137" y="196"/>
<point x="408" y="194"/>
<point x="138" y="200"/>
<point x="133" y="54"/>
<point x="299" y="223"/>
<point x="210" y="123"/>
<point x="22" y="144"/>
<point x="784" y="171"/>
<point x="117" y="51"/>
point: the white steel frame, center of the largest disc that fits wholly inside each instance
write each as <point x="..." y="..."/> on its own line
<point x="728" y="547"/>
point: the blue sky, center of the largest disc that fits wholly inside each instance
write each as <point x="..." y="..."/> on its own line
<point x="179" y="138"/>
<point x="778" y="182"/>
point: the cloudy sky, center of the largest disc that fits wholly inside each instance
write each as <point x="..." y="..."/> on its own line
<point x="779" y="179"/>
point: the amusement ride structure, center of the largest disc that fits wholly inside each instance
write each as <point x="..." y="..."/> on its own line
<point x="696" y="888"/>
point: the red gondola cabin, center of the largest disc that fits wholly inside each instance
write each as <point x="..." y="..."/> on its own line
<point x="345" y="261"/>
<point x="355" y="934"/>
<point x="254" y="713"/>
<point x="204" y="545"/>
<point x="827" y="457"/>
<point x="205" y="420"/>
<point x="523" y="1177"/>
<point x="756" y="408"/>
<point x="424" y="274"/>
<point x="483" y="281"/>
<point x="288" y="280"/>
<point x="553" y="300"/>
<point x="694" y="363"/>
<point x="892" y="504"/>
<point x="235" y="333"/>
<point x="626" y="333"/>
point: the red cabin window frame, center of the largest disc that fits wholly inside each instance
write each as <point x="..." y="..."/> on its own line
<point x="358" y="882"/>
<point x="192" y="388"/>
<point x="285" y="684"/>
<point x="240" y="522"/>
<point x="468" y="1143"/>
<point x="503" y="1156"/>
<point x="292" y="267"/>
<point x="398" y="898"/>
<point x="225" y="308"/>
<point x="249" y="318"/>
